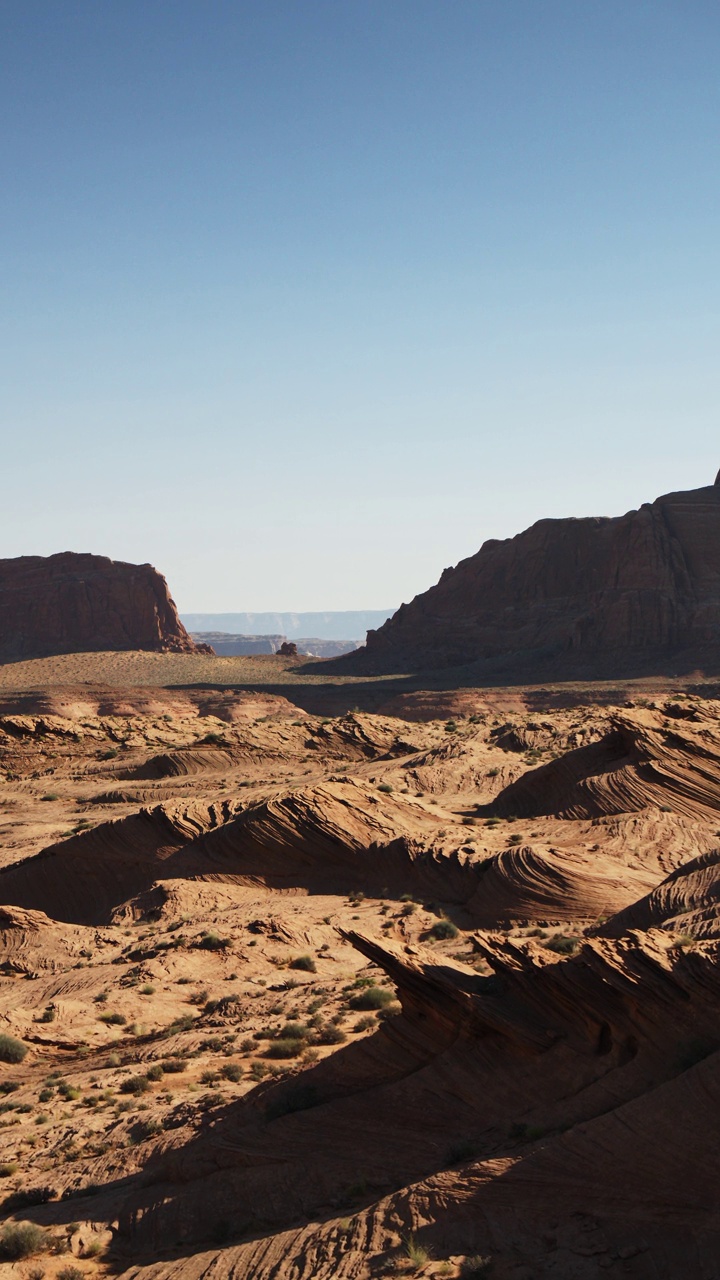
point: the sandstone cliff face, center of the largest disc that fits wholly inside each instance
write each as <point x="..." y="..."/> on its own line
<point x="582" y="596"/>
<point x="73" y="603"/>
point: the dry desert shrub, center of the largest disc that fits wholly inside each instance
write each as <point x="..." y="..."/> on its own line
<point x="416" y="1254"/>
<point x="11" y="1050"/>
<point x="21" y="1240"/>
<point x="444" y="930"/>
<point x="372" y="998"/>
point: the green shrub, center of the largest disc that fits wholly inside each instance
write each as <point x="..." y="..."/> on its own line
<point x="8" y="1170"/>
<point x="232" y="1071"/>
<point x="295" y="1030"/>
<point x="416" y="1254"/>
<point x="304" y="962"/>
<point x="285" y="1047"/>
<point x="70" y="1273"/>
<point x="212" y="942"/>
<point x="11" y="1050"/>
<point x="443" y="930"/>
<point x="147" y="990"/>
<point x="386" y="788"/>
<point x="330" y="1035"/>
<point x="113" y="1019"/>
<point x="135" y="1084"/>
<point x="174" y="1065"/>
<point x="372" y="998"/>
<point x="184" y="1023"/>
<point x="21" y="1240"/>
<point x="562" y="945"/>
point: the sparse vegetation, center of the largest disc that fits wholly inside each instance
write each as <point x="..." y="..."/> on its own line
<point x="135" y="1084"/>
<point x="562" y="945"/>
<point x="416" y="1254"/>
<point x="444" y="930"/>
<point x="212" y="942"/>
<point x="285" y="1047"/>
<point x="372" y="998"/>
<point x="305" y="963"/>
<point x="21" y="1240"/>
<point x="11" y="1050"/>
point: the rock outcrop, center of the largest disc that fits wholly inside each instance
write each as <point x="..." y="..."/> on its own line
<point x="71" y="603"/>
<point x="578" y="597"/>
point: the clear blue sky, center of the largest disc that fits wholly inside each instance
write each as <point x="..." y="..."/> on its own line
<point x="304" y="299"/>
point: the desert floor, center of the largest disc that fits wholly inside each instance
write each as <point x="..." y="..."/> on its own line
<point x="318" y="977"/>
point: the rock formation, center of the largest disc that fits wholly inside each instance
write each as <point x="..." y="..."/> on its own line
<point x="596" y="597"/>
<point x="342" y="999"/>
<point x="71" y="603"/>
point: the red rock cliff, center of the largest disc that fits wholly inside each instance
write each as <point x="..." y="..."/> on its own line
<point x="78" y="603"/>
<point x="589" y="597"/>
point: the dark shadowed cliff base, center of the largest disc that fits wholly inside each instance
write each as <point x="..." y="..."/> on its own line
<point x="599" y="598"/>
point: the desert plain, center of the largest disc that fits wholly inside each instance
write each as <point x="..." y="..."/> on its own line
<point x="291" y="988"/>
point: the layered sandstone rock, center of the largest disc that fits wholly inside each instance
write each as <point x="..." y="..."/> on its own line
<point x="74" y="603"/>
<point x="593" y="596"/>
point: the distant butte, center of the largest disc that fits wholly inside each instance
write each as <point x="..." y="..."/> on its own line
<point x="74" y="603"/>
<point x="573" y="598"/>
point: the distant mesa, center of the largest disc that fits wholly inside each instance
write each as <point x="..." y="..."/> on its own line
<point x="345" y="626"/>
<point x="227" y="644"/>
<point x="574" y="598"/>
<point x="77" y="603"/>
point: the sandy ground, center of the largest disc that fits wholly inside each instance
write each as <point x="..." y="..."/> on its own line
<point x="241" y="944"/>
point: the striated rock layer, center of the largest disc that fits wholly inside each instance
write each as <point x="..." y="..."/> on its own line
<point x="71" y="603"/>
<point x="640" y="592"/>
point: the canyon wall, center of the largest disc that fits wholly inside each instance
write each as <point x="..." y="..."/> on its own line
<point x="598" y="596"/>
<point x="72" y="602"/>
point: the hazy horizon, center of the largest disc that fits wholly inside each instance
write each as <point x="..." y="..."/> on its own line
<point x="325" y="624"/>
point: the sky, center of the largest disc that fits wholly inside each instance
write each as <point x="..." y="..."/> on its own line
<point x="302" y="300"/>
